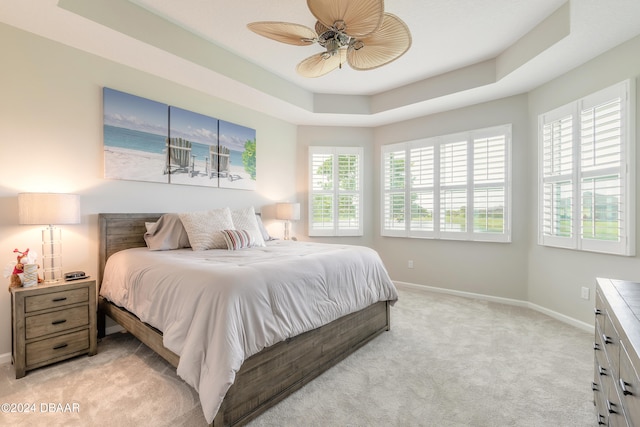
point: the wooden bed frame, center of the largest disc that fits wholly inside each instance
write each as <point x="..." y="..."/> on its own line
<point x="265" y="378"/>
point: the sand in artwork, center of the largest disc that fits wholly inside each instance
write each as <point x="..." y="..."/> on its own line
<point x="122" y="163"/>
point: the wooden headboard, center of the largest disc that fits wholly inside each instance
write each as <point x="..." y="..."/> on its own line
<point x="119" y="231"/>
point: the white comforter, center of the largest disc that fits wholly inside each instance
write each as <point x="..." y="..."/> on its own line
<point x="216" y="308"/>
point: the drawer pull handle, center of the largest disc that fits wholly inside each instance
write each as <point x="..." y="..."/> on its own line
<point x="58" y="322"/>
<point x="59" y="299"/>
<point x="597" y="311"/>
<point x="610" y="407"/>
<point x="596" y="346"/>
<point x="594" y="386"/>
<point x="606" y="339"/>
<point x="623" y="387"/>
<point x="59" y="346"/>
<point x="600" y="421"/>
<point x="602" y="371"/>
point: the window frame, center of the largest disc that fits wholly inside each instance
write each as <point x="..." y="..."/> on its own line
<point x="469" y="137"/>
<point x="624" y="91"/>
<point x="336" y="230"/>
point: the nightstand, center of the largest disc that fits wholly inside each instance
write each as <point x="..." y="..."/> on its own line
<point x="52" y="323"/>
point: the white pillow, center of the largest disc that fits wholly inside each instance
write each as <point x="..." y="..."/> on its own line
<point x="203" y="228"/>
<point x="245" y="219"/>
<point x="263" y="230"/>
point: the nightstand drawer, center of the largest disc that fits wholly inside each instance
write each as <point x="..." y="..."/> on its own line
<point x="52" y="348"/>
<point x="56" y="299"/>
<point x="56" y="321"/>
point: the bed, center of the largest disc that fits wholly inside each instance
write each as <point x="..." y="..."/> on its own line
<point x="272" y="373"/>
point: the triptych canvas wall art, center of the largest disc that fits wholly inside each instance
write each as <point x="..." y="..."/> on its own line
<point x="145" y="140"/>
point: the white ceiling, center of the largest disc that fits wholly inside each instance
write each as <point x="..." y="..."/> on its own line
<point x="448" y="35"/>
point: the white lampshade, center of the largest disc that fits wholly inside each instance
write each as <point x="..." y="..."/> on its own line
<point x="288" y="211"/>
<point x="48" y="208"/>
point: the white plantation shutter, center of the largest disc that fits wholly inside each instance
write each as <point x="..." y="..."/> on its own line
<point x="603" y="154"/>
<point x="349" y="189"/>
<point x="335" y="196"/>
<point x="394" y="167"/>
<point x="453" y="186"/>
<point x="558" y="179"/>
<point x="490" y="184"/>
<point x="587" y="174"/>
<point x="421" y="192"/>
<point x="322" y="189"/>
<point x="431" y="185"/>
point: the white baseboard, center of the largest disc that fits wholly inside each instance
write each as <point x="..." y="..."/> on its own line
<point x="509" y="301"/>
<point x="5" y="358"/>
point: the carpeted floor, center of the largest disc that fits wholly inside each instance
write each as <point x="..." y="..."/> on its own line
<point x="448" y="361"/>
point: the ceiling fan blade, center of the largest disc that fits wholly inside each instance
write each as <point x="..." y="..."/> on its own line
<point x="385" y="45"/>
<point x="317" y="65"/>
<point x="361" y="17"/>
<point x="284" y="32"/>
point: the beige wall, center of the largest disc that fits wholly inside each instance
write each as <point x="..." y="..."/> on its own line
<point x="556" y="276"/>
<point x="51" y="140"/>
<point x="546" y="277"/>
<point x="496" y="269"/>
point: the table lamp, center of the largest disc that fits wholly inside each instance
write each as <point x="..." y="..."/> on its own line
<point x="49" y="209"/>
<point x="287" y="212"/>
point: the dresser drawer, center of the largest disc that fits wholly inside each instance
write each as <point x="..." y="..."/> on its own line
<point x="55" y="299"/>
<point x="60" y="346"/>
<point x="598" y="347"/>
<point x="56" y="321"/>
<point x="629" y="385"/>
<point x="611" y="343"/>
<point x="599" y="397"/>
<point x="600" y="307"/>
<point x="617" y="417"/>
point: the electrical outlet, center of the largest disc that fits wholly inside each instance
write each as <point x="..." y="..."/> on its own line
<point x="410" y="264"/>
<point x="584" y="293"/>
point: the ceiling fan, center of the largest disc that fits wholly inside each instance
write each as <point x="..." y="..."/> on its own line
<point x="358" y="32"/>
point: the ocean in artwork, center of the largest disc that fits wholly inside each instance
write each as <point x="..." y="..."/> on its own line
<point x="151" y="143"/>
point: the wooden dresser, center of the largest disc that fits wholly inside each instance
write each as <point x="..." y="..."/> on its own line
<point x="616" y="384"/>
<point x="52" y="323"/>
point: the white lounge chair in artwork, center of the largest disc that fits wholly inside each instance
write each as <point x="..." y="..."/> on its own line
<point x="179" y="157"/>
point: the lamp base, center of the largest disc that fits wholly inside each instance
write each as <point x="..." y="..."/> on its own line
<point x="52" y="254"/>
<point x="287" y="227"/>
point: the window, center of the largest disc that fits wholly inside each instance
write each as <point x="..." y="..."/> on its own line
<point x="586" y="174"/>
<point x="449" y="187"/>
<point x="335" y="195"/>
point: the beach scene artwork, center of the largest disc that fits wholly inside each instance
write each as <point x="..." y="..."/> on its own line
<point x="239" y="143"/>
<point x="135" y="132"/>
<point x="193" y="138"/>
<point x="145" y="140"/>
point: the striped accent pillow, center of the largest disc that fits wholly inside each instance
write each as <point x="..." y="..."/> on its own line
<point x="238" y="239"/>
